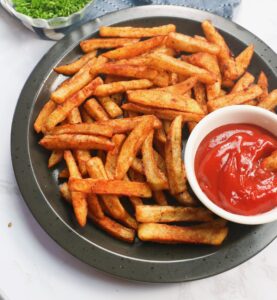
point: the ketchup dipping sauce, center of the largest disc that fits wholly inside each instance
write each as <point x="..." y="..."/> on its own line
<point x="228" y="168"/>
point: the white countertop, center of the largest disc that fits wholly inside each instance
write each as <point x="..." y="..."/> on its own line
<point x="33" y="266"/>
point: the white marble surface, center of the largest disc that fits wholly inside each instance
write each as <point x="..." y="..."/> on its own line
<point x="33" y="266"/>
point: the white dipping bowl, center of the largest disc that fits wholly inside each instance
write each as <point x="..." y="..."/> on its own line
<point x="228" y="115"/>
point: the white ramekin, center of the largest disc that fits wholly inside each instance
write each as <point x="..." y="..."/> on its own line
<point x="228" y="115"/>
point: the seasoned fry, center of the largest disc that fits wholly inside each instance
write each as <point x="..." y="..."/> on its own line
<point x="122" y="86"/>
<point x="115" y="187"/>
<point x="93" y="44"/>
<point x="185" y="199"/>
<point x="200" y="96"/>
<point x="162" y="233"/>
<point x="94" y="206"/>
<point x="86" y="118"/>
<point x="182" y="87"/>
<point x="65" y="193"/>
<point x="136" y="32"/>
<point x="132" y="145"/>
<point x="243" y="60"/>
<point x="46" y="111"/>
<point x="82" y="156"/>
<point x="160" y="198"/>
<point x="74" y="117"/>
<point x="110" y="107"/>
<point x="163" y="99"/>
<point x="166" y="125"/>
<point x="243" y="83"/>
<point x="74" y="67"/>
<point x="168" y="214"/>
<point x="135" y="49"/>
<point x="75" y="141"/>
<point x="160" y="135"/>
<point x="270" y="101"/>
<point x="263" y="84"/>
<point x="172" y="64"/>
<point x="270" y="162"/>
<point x="182" y="42"/>
<point x="227" y="83"/>
<point x="137" y="165"/>
<point x="95" y="110"/>
<point x="55" y="157"/>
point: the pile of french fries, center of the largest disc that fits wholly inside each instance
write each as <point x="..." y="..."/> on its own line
<point x="117" y="123"/>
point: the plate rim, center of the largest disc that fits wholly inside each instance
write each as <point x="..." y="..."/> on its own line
<point x="126" y="267"/>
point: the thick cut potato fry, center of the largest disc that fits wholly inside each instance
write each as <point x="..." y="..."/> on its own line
<point x="160" y="161"/>
<point x="71" y="165"/>
<point x="65" y="192"/>
<point x="93" y="44"/>
<point x="82" y="156"/>
<point x="235" y="98"/>
<point x="243" y="83"/>
<point x="62" y="111"/>
<point x="134" y="200"/>
<point x="74" y="67"/>
<point x="95" y="110"/>
<point x="86" y="118"/>
<point x="270" y="162"/>
<point x="93" y="128"/>
<point x="165" y="114"/>
<point x="127" y="124"/>
<point x="55" y="157"/>
<point x="162" y="233"/>
<point x="110" y="107"/>
<point x="160" y="135"/>
<point x="168" y="214"/>
<point x="74" y="117"/>
<point x="263" y="84"/>
<point x="243" y="60"/>
<point x="46" y="111"/>
<point x="182" y="87"/>
<point x="270" y="101"/>
<point x="200" y="96"/>
<point x="160" y="198"/>
<point x="75" y="141"/>
<point x="182" y="42"/>
<point x="173" y="158"/>
<point x="94" y="206"/>
<point x="122" y="86"/>
<point x="166" y="125"/>
<point x="185" y="199"/>
<point x="136" y="32"/>
<point x="132" y="145"/>
<point x="137" y="165"/>
<point x="156" y="179"/>
<point x="172" y="64"/>
<point x="135" y="49"/>
<point x="163" y="99"/>
<point x="115" y="187"/>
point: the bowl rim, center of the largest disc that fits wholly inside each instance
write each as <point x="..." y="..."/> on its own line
<point x="190" y="151"/>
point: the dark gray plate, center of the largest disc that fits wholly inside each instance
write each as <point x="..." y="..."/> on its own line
<point x="140" y="261"/>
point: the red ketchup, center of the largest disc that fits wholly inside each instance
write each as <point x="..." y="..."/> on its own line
<point x="228" y="168"/>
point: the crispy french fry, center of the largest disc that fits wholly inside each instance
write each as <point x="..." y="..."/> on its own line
<point x="270" y="101"/>
<point x="200" y="37"/>
<point x="166" y="125"/>
<point x="94" y="206"/>
<point x="172" y="64"/>
<point x="117" y="98"/>
<point x="115" y="187"/>
<point x="173" y="158"/>
<point x="95" y="110"/>
<point x="163" y="99"/>
<point x="263" y="84"/>
<point x="135" y="49"/>
<point x="122" y="86"/>
<point x="182" y="42"/>
<point x="160" y="198"/>
<point x="136" y="32"/>
<point x="74" y="117"/>
<point x="132" y="145"/>
<point x="82" y="156"/>
<point x="235" y="98"/>
<point x="200" y="96"/>
<point x="62" y="111"/>
<point x="182" y="87"/>
<point x="168" y="214"/>
<point x="243" y="83"/>
<point x="64" y="173"/>
<point x="75" y="141"/>
<point x="46" y="111"/>
<point x="165" y="114"/>
<point x="74" y="67"/>
<point x="162" y="233"/>
<point x="160" y="135"/>
<point x="83" y="128"/>
<point x="243" y="60"/>
<point x="160" y="161"/>
<point x="65" y="193"/>
<point x="270" y="162"/>
<point x="93" y="44"/>
<point x="110" y="107"/>
<point x="86" y="118"/>
<point x="114" y="78"/>
<point x="137" y="165"/>
<point x="55" y="157"/>
<point x="134" y="200"/>
<point x="185" y="199"/>
<point x="156" y="179"/>
<point x="174" y="78"/>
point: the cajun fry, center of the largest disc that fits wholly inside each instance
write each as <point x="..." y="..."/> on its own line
<point x="243" y="60"/>
<point x="243" y="83"/>
<point x="74" y="117"/>
<point x="55" y="157"/>
<point x="263" y="84"/>
<point x="95" y="110"/>
<point x="46" y="111"/>
<point x="110" y="107"/>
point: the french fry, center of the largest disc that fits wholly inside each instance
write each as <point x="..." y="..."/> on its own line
<point x="243" y="60"/>
<point x="185" y="199"/>
<point x="128" y="124"/>
<point x="64" y="173"/>
<point x="65" y="193"/>
<point x="182" y="87"/>
<point x="115" y="187"/>
<point x="172" y="64"/>
<point x="160" y="161"/>
<point x="182" y="42"/>
<point x="74" y="67"/>
<point x="165" y="114"/>
<point x="263" y="84"/>
<point x="200" y="37"/>
<point x="136" y="32"/>
<point x="74" y="117"/>
<point x="93" y="44"/>
<point x="55" y="157"/>
<point x="156" y="179"/>
<point x="122" y="86"/>
<point x="227" y="83"/>
<point x="160" y="135"/>
<point x="134" y="200"/>
<point x="160" y="198"/>
<point x="169" y="214"/>
<point x="132" y="145"/>
<point x="62" y="111"/>
<point x="166" y="125"/>
<point x="137" y="165"/>
<point x="270" y="162"/>
<point x="135" y="49"/>
<point x="95" y="110"/>
<point x="117" y="98"/>
<point x="114" y="78"/>
<point x="173" y="159"/>
<point x="86" y="118"/>
<point x="200" y="96"/>
<point x="243" y="83"/>
<point x="46" y="111"/>
<point x="235" y="98"/>
<point x="110" y="107"/>
<point x="75" y="141"/>
<point x="82" y="156"/>
<point x="162" y="233"/>
<point x="174" y="78"/>
<point x="94" y="206"/>
<point x="163" y="99"/>
<point x="270" y="101"/>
